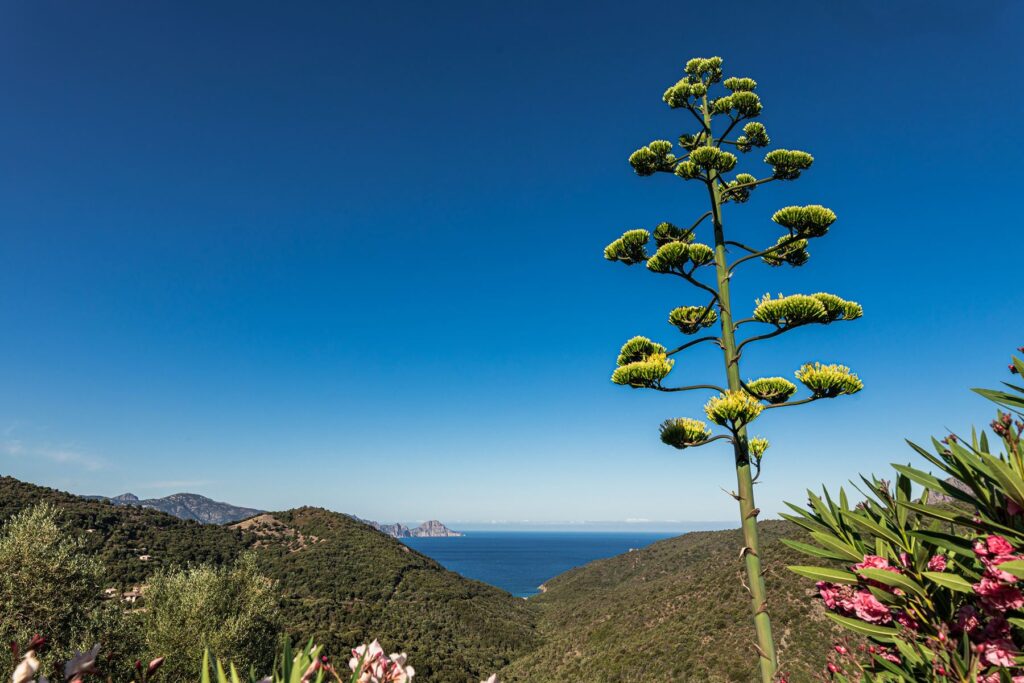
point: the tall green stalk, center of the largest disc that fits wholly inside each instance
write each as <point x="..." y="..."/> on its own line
<point x="643" y="363"/>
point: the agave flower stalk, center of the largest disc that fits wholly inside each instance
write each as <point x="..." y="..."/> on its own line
<point x="703" y="157"/>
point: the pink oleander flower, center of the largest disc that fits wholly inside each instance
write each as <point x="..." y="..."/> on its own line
<point x="937" y="563"/>
<point x="999" y="653"/>
<point x="907" y="621"/>
<point x="27" y="668"/>
<point x="874" y="562"/>
<point x="999" y="596"/>
<point x="992" y="546"/>
<point x="836" y="596"/>
<point x="868" y="608"/>
<point x="374" y="666"/>
<point x="967" y="619"/>
<point x="82" y="663"/>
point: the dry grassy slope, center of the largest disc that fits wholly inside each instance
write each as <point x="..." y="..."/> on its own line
<point x="674" y="611"/>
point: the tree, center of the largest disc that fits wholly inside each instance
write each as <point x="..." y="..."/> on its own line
<point x="643" y="363"/>
<point x="48" y="586"/>
<point x="231" y="611"/>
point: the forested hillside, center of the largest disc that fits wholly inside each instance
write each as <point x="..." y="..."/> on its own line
<point x="674" y="611"/>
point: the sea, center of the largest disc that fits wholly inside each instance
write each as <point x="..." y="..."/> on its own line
<point x="520" y="561"/>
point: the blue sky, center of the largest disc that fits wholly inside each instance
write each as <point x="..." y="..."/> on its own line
<point x="349" y="254"/>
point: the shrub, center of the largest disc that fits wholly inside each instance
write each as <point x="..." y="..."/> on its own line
<point x="931" y="583"/>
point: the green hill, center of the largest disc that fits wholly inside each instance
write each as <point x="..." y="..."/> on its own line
<point x="341" y="581"/>
<point x="674" y="611"/>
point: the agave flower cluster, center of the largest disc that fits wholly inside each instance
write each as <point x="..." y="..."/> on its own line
<point x="932" y="582"/>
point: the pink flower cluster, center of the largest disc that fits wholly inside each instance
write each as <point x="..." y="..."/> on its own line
<point x="373" y="666"/>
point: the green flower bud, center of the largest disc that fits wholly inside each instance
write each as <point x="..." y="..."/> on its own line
<point x="628" y="249"/>
<point x="743" y="194"/>
<point x="671" y="256"/>
<point x="774" y="390"/>
<point x="812" y="220"/>
<point x="667" y="232"/>
<point x="687" y="170"/>
<point x="837" y="308"/>
<point x="790" y="311"/>
<point x="645" y="373"/>
<point x="707" y="70"/>
<point x="757" y="445"/>
<point x="701" y="254"/>
<point x="794" y="253"/>
<point x="638" y="349"/>
<point x="713" y="158"/>
<point x="754" y="135"/>
<point x="688" y="142"/>
<point x="690" y="319"/>
<point x="722" y="105"/>
<point x="746" y="104"/>
<point x="787" y="164"/>
<point x="652" y="158"/>
<point x="740" y="84"/>
<point x="829" y="381"/>
<point x="733" y="407"/>
<point x="681" y="432"/>
<point x="678" y="95"/>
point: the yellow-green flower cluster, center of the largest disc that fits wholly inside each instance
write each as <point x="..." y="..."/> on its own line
<point x="742" y="194"/>
<point x="645" y="373"/>
<point x="740" y="84"/>
<point x="787" y="164"/>
<point x="657" y="156"/>
<point x="733" y="407"/>
<point x="681" y="432"/>
<point x="757" y="445"/>
<point x="638" y="349"/>
<point x="666" y="232"/>
<point x="829" y="381"/>
<point x="684" y="93"/>
<point x="690" y="319"/>
<point x="754" y="135"/>
<point x="746" y="104"/>
<point x="774" y="390"/>
<point x="630" y="248"/>
<point x="812" y="220"/>
<point x="713" y="159"/>
<point x="790" y="311"/>
<point x="674" y="256"/>
<point x="708" y="70"/>
<point x="794" y="252"/>
<point x="802" y="309"/>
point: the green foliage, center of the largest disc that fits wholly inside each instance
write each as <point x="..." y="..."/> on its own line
<point x="691" y="319"/>
<point x="733" y="409"/>
<point x="682" y="432"/>
<point x="232" y="611"/>
<point x="673" y="611"/>
<point x="774" y="390"/>
<point x="935" y="579"/>
<point x="829" y="381"/>
<point x="48" y="585"/>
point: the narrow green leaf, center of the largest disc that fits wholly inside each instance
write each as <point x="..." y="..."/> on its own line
<point x="893" y="579"/>
<point x="836" y="545"/>
<point x="824" y="574"/>
<point x="949" y="580"/>
<point x="880" y="633"/>
<point x="813" y="550"/>
<point x="1015" y="567"/>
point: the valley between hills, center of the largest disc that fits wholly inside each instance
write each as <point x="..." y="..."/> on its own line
<point x="665" y="612"/>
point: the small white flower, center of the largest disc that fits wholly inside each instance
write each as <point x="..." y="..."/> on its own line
<point x="27" y="669"/>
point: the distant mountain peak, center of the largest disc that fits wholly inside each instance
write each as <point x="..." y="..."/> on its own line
<point x="187" y="506"/>
<point x="429" y="529"/>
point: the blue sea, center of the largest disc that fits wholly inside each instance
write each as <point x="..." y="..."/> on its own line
<point x="520" y="561"/>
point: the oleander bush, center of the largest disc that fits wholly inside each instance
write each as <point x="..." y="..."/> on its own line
<point x="929" y="581"/>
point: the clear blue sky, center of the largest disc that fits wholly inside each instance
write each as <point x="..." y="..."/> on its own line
<point x="349" y="254"/>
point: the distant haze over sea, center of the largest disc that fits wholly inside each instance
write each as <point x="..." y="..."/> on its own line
<point x="634" y="526"/>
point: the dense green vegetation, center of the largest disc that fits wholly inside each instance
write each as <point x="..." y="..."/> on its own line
<point x="337" y="579"/>
<point x="674" y="611"/>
